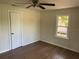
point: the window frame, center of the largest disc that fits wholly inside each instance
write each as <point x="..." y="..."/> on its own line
<point x="58" y="26"/>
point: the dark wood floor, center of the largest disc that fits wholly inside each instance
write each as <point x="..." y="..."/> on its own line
<point x="40" y="50"/>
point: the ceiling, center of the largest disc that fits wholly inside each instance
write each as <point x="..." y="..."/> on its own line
<point x="59" y="3"/>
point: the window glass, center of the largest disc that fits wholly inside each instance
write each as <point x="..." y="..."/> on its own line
<point x="62" y="26"/>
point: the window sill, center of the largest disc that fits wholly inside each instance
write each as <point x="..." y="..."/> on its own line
<point x="66" y="38"/>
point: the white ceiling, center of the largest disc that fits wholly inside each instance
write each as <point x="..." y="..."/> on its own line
<point x="59" y="3"/>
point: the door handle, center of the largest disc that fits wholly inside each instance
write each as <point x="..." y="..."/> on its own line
<point x="12" y="33"/>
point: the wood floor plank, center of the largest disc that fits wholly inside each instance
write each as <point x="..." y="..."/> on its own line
<point x="40" y="50"/>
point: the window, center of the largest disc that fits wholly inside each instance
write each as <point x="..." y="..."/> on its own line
<point x="62" y="26"/>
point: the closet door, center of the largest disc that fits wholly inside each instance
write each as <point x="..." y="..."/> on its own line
<point x="15" y="19"/>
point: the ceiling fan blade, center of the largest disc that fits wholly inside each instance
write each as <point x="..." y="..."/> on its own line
<point x="20" y="3"/>
<point x="41" y="7"/>
<point x="24" y="2"/>
<point x="29" y="6"/>
<point x="47" y="4"/>
<point x="13" y="4"/>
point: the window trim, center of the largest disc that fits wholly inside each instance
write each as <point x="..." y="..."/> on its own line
<point x="57" y="27"/>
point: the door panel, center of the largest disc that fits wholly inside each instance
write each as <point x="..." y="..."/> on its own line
<point x="15" y="30"/>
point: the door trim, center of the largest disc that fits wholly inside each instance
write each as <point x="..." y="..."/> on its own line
<point x="10" y="29"/>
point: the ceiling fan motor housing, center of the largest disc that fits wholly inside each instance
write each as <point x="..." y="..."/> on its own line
<point x="35" y="2"/>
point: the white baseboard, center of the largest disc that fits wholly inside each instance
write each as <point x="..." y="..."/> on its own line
<point x="29" y="43"/>
<point x="61" y="46"/>
<point x="46" y="42"/>
<point x="22" y="45"/>
<point x="4" y="51"/>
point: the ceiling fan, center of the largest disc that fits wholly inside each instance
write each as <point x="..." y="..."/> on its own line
<point x="36" y="3"/>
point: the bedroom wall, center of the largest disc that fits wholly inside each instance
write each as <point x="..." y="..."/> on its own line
<point x="48" y="28"/>
<point x="39" y="25"/>
<point x="30" y="26"/>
